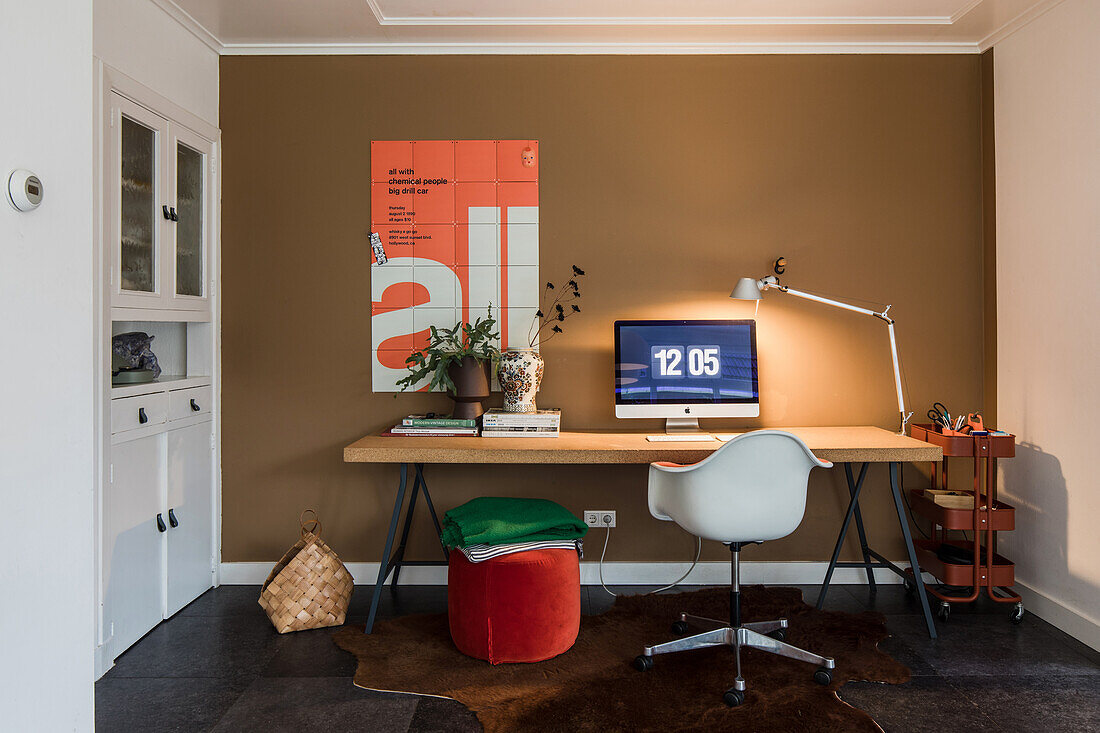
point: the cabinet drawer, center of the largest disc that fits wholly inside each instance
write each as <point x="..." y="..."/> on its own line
<point x="128" y="413"/>
<point x="189" y="402"/>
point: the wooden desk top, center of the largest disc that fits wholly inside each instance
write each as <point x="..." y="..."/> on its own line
<point x="856" y="444"/>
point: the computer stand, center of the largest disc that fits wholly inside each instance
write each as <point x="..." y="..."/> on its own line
<point x="682" y="425"/>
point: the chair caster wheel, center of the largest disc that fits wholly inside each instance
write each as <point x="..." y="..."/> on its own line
<point x="778" y="634"/>
<point x="680" y="628"/>
<point x="944" y="611"/>
<point x="910" y="586"/>
<point x="823" y="676"/>
<point x="1017" y="613"/>
<point x="733" y="697"/>
<point x="642" y="663"/>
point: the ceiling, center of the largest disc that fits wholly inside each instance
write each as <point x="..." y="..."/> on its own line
<point x="602" y="26"/>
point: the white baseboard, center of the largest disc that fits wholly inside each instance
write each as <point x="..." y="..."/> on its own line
<point x="1069" y="620"/>
<point x="615" y="573"/>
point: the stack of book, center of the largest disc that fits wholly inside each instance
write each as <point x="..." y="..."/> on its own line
<point x="497" y="423"/>
<point x="430" y="426"/>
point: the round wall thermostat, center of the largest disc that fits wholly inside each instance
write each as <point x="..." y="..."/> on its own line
<point x="24" y="190"/>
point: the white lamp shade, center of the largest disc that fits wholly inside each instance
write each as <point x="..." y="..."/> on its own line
<point x="747" y="288"/>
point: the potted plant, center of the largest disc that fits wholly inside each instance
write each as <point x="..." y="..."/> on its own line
<point x="520" y="370"/>
<point x="459" y="360"/>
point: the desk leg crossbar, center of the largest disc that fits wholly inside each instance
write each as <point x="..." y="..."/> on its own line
<point x="396" y="560"/>
<point x="872" y="559"/>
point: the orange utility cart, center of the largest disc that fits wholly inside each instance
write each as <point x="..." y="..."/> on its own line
<point x="971" y="562"/>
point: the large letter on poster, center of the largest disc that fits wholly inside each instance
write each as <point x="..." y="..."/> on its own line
<point x="459" y="224"/>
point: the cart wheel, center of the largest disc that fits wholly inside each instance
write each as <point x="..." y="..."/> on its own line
<point x="1017" y="613"/>
<point x="945" y="611"/>
<point x="910" y="586"/>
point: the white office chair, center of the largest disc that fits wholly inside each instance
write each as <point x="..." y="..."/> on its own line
<point x="751" y="489"/>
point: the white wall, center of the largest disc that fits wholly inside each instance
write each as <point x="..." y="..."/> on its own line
<point x="1047" y="100"/>
<point x="142" y="41"/>
<point x="46" y="441"/>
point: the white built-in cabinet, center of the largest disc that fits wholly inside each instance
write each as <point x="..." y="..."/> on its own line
<point x="158" y="210"/>
<point x="158" y="509"/>
<point x="158" y="495"/>
<point x="190" y="564"/>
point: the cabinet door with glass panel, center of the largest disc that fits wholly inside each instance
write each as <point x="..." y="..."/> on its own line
<point x="158" y="199"/>
<point x="189" y="234"/>
<point x="136" y="197"/>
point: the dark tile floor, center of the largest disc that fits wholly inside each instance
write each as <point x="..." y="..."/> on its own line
<point x="218" y="665"/>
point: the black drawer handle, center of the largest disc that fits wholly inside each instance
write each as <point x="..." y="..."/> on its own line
<point x="160" y="524"/>
<point x="164" y="208"/>
<point x="142" y="417"/>
<point x="172" y="518"/>
<point x="194" y="406"/>
<point x="175" y="216"/>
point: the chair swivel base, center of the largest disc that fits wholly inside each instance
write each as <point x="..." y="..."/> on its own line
<point x="764" y="635"/>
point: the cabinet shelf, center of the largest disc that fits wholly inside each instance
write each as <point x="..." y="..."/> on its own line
<point x="162" y="384"/>
<point x="136" y="186"/>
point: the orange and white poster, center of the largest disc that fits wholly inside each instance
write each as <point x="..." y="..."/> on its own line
<point x="458" y="222"/>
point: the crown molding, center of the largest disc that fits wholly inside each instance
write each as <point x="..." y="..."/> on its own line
<point x="1016" y="24"/>
<point x="656" y="49"/>
<point x="556" y="20"/>
<point x="597" y="48"/>
<point x="197" y="29"/>
<point x="965" y="10"/>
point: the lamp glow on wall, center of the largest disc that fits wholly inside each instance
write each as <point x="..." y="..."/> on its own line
<point x="748" y="288"/>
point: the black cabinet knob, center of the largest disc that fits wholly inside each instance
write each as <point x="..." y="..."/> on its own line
<point x="160" y="524"/>
<point x="142" y="417"/>
<point x="172" y="518"/>
<point x="164" y="208"/>
<point x="194" y="406"/>
<point x="175" y="216"/>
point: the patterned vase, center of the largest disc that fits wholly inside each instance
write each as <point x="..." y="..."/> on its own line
<point x="520" y="375"/>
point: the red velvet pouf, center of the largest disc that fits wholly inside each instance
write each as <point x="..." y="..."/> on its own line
<point x="523" y="607"/>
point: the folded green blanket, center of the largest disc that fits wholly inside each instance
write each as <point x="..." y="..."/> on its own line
<point x="494" y="520"/>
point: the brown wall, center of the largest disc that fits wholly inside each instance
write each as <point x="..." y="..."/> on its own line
<point x="666" y="178"/>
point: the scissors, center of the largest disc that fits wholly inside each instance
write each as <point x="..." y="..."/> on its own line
<point x="939" y="415"/>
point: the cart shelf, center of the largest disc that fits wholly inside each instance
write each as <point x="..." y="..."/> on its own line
<point x="1003" y="572"/>
<point x="966" y="446"/>
<point x="1002" y="518"/>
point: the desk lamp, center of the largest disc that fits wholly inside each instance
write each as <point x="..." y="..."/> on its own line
<point x="748" y="288"/>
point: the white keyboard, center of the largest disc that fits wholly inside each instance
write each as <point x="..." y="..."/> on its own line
<point x="682" y="438"/>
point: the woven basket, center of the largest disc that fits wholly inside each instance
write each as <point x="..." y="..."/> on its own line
<point x="309" y="588"/>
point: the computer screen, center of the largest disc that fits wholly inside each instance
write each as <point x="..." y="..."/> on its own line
<point x="686" y="368"/>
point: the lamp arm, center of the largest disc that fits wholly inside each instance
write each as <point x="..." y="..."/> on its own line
<point x="771" y="281"/>
<point x="766" y="284"/>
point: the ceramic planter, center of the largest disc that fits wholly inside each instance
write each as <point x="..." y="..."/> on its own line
<point x="472" y="380"/>
<point x="520" y="375"/>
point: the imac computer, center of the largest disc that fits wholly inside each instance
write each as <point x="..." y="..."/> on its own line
<point x="684" y="370"/>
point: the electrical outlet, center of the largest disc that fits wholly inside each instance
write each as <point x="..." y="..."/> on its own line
<point x="600" y="517"/>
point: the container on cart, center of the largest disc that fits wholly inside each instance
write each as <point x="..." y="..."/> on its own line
<point x="969" y="563"/>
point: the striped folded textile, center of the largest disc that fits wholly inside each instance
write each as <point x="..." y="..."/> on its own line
<point x="481" y="553"/>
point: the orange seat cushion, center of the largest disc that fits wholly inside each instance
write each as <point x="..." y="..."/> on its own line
<point x="523" y="607"/>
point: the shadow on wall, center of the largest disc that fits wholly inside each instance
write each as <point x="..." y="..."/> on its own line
<point x="1033" y="482"/>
